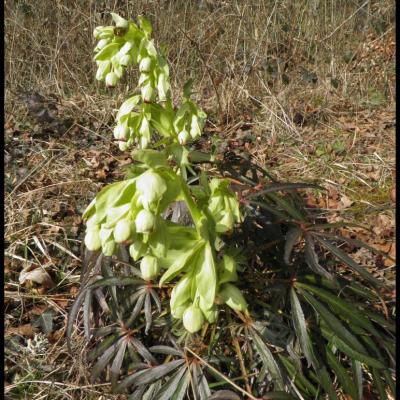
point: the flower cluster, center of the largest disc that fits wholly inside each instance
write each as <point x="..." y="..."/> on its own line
<point x="129" y="213"/>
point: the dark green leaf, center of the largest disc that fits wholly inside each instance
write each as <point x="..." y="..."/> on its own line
<point x="268" y="359"/>
<point x="104" y="360"/>
<point x="277" y="187"/>
<point x="312" y="260"/>
<point x="149" y="375"/>
<point x="342" y="308"/>
<point x="358" y="378"/>
<point x="180" y="392"/>
<point x="342" y="374"/>
<point x="300" y="327"/>
<point x="379" y="384"/>
<point x="168" y="389"/>
<point x="341" y="255"/>
<point x="345" y="348"/>
<point x="333" y="322"/>
<point x="166" y="350"/>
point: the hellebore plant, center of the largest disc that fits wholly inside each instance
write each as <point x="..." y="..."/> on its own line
<point x="307" y="327"/>
<point x="131" y="211"/>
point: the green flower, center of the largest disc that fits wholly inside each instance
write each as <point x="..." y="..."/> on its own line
<point x="149" y="268"/>
<point x="193" y="319"/>
<point x="122" y="230"/>
<point x="92" y="239"/>
<point x="111" y="79"/>
<point x="151" y="187"/>
<point x="144" y="221"/>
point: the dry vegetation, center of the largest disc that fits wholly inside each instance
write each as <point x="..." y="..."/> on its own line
<point x="306" y="87"/>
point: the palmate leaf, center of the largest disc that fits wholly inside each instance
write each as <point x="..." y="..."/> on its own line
<point x="349" y="350"/>
<point x="333" y="323"/>
<point x="301" y="382"/>
<point x="300" y="327"/>
<point x="312" y="259"/>
<point x="342" y="374"/>
<point x="282" y="187"/>
<point x="267" y="358"/>
<point x="150" y="375"/>
<point x="341" y="255"/>
<point x="344" y="309"/>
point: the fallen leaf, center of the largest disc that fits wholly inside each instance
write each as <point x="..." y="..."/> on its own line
<point x="345" y="202"/>
<point x="37" y="275"/>
<point x="26" y="330"/>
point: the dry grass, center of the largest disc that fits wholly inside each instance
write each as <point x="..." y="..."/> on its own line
<point x="307" y="87"/>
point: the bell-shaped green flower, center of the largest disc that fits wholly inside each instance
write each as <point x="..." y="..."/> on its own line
<point x="121" y="131"/>
<point x="145" y="221"/>
<point x="103" y="68"/>
<point x="151" y="187"/>
<point x="120" y="22"/>
<point x="122" y="230"/>
<point x="233" y="297"/>
<point x="145" y="64"/>
<point x="137" y="249"/>
<point x="147" y="92"/>
<point x="101" y="44"/>
<point x="92" y="239"/>
<point x="193" y="319"/>
<point x="149" y="268"/>
<point x="111" y="79"/>
<point x="126" y="60"/>
<point x="183" y="137"/>
<point x="227" y="270"/>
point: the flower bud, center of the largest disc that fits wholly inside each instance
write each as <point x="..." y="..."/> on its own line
<point x="233" y="297"/>
<point x="92" y="239"/>
<point x="111" y="79"/>
<point x="151" y="187"/>
<point x="145" y="64"/>
<point x="193" y="319"/>
<point x="101" y="44"/>
<point x="122" y="230"/>
<point x="121" y="132"/>
<point x="120" y="22"/>
<point x="145" y="221"/>
<point x="149" y="268"/>
<point x="183" y="137"/>
<point x="137" y="249"/>
<point x="195" y="127"/>
<point x="97" y="31"/>
<point x="126" y="60"/>
<point x="147" y="92"/>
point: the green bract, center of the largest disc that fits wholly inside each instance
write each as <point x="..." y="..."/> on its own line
<point x="130" y="212"/>
<point x="233" y="297"/>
